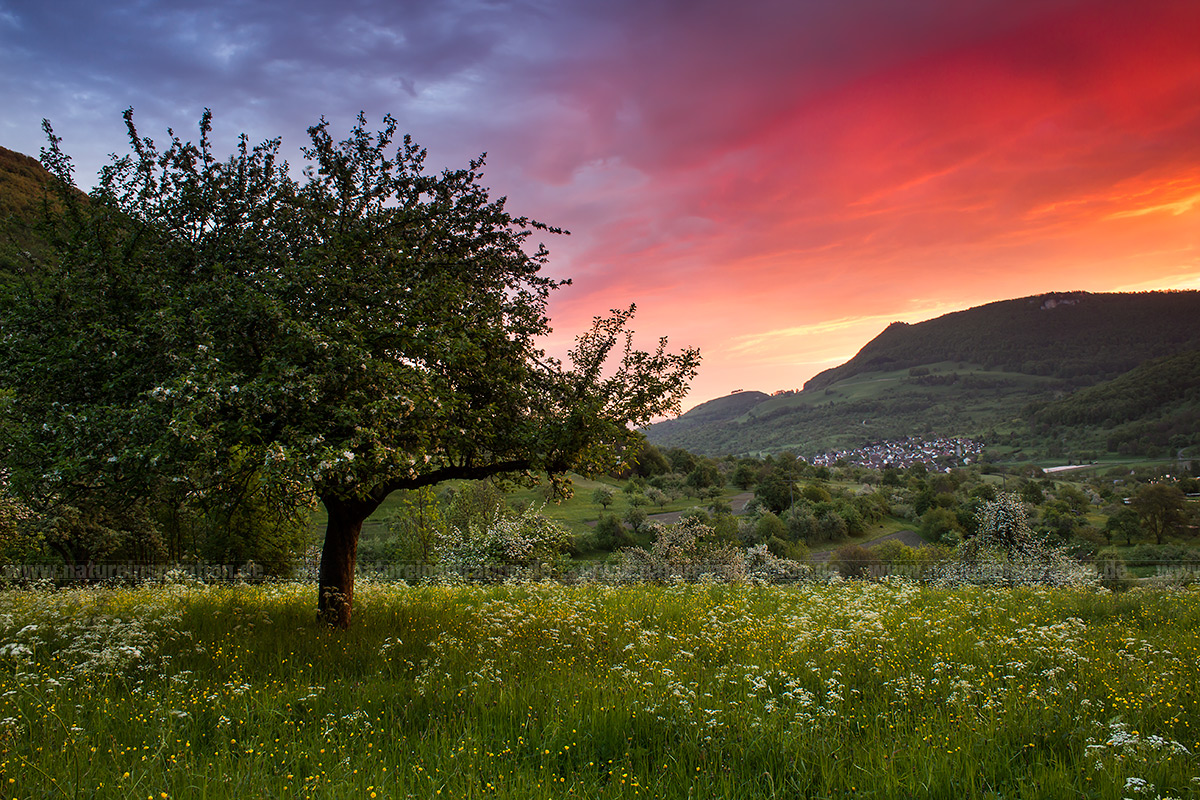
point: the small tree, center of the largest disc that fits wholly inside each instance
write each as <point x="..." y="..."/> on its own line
<point x="602" y="496"/>
<point x="635" y="518"/>
<point x="1123" y="521"/>
<point x="775" y="492"/>
<point x="1007" y="551"/>
<point x="1160" y="508"/>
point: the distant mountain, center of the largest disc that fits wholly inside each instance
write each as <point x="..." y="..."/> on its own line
<point x="714" y="412"/>
<point x="1076" y="336"/>
<point x="982" y="372"/>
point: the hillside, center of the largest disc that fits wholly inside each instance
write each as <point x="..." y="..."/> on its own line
<point x="1156" y="405"/>
<point x="1076" y="336"/>
<point x="981" y="373"/>
<point x="23" y="183"/>
<point x="714" y="412"/>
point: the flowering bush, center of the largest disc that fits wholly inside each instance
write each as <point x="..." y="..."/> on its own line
<point x="1006" y="551"/>
<point x="527" y="540"/>
<point x="689" y="550"/>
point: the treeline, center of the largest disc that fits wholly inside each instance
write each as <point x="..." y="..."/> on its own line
<point x="1149" y="389"/>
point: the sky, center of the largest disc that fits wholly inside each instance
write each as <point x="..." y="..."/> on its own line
<point x="772" y="181"/>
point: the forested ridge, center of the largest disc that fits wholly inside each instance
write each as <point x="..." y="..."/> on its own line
<point x="1080" y="337"/>
<point x="1117" y="372"/>
<point x="1150" y="388"/>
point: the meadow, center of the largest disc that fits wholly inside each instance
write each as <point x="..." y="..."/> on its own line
<point x="837" y="689"/>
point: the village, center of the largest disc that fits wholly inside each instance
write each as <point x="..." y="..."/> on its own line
<point x="944" y="453"/>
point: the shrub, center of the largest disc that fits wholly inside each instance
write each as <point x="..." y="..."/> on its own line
<point x="526" y="540"/>
<point x="1112" y="570"/>
<point x="768" y="527"/>
<point x="1006" y="551"/>
<point x="611" y="533"/>
<point x="853" y="561"/>
<point x="683" y="551"/>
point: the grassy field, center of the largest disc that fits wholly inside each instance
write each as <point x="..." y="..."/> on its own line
<point x="818" y="690"/>
<point x="574" y="513"/>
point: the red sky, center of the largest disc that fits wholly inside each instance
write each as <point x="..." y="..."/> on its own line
<point x="773" y="181"/>
<point x="1061" y="152"/>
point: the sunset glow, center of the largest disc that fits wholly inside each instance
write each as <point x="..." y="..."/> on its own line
<point x="774" y="182"/>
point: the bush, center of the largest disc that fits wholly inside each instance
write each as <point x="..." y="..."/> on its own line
<point x="526" y="540"/>
<point x="611" y="534"/>
<point x="793" y="551"/>
<point x="1113" y="571"/>
<point x="1006" y="551"/>
<point x="635" y="518"/>
<point x="768" y="527"/>
<point x="853" y="561"/>
<point x="682" y="551"/>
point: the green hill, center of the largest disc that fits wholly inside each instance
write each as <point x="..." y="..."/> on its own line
<point x="981" y="373"/>
<point x="1153" y="407"/>
<point x="714" y="412"/>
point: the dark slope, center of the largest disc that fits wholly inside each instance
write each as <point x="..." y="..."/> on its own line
<point x="1076" y="336"/>
<point x="972" y="373"/>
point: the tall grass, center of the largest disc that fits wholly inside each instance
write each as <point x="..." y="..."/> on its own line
<point x="818" y="690"/>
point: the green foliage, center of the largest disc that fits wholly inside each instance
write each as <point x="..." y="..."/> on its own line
<point x="768" y="526"/>
<point x="801" y="524"/>
<point x="790" y="550"/>
<point x="373" y="328"/>
<point x="651" y="462"/>
<point x="611" y="534"/>
<point x="527" y="540"/>
<point x="603" y="496"/>
<point x="1113" y="570"/>
<point x="1160" y="508"/>
<point x="687" y="549"/>
<point x="247" y="522"/>
<point x="745" y="474"/>
<point x="775" y="493"/>
<point x="936" y="523"/>
<point x="417" y="522"/>
<point x="853" y="561"/>
<point x="1006" y="550"/>
<point x="635" y="518"/>
<point x="815" y="493"/>
<point x="705" y="474"/>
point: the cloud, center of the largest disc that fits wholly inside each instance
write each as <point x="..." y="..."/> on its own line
<point x="768" y="180"/>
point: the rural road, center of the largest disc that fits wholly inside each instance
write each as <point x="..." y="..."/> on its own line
<point x="910" y="538"/>
<point x="737" y="503"/>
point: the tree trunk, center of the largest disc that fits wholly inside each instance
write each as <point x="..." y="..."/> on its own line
<point x="335" y="582"/>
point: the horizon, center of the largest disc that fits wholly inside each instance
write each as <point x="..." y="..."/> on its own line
<point x="773" y="184"/>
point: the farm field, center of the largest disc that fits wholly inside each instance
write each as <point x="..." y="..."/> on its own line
<point x="815" y="690"/>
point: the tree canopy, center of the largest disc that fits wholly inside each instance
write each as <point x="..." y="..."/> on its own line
<point x="375" y="326"/>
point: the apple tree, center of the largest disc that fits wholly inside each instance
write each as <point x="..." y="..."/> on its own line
<point x="373" y="326"/>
